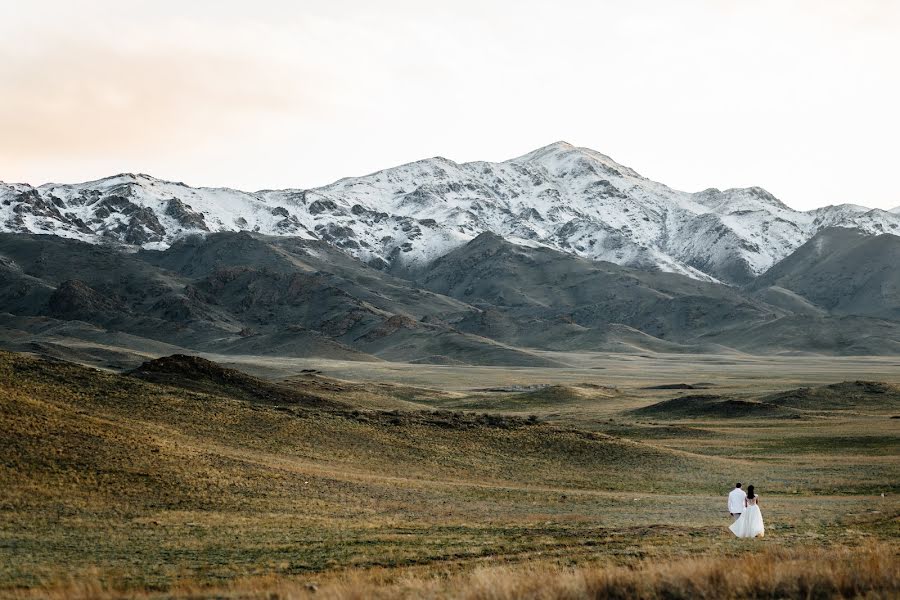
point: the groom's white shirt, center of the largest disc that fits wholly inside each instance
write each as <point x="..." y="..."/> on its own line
<point x="736" y="501"/>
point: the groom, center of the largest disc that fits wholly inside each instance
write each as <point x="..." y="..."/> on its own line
<point x="736" y="501"/>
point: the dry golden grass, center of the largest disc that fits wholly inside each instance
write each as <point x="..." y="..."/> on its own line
<point x="115" y="487"/>
<point x="871" y="572"/>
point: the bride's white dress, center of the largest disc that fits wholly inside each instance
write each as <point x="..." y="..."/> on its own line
<point x="750" y="523"/>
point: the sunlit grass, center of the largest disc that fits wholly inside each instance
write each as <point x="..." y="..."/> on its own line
<point x="111" y="486"/>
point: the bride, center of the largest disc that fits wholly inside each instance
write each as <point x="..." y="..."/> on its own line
<point x="750" y="523"/>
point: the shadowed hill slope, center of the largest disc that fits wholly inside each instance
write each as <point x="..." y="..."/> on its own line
<point x="868" y="396"/>
<point x="241" y="293"/>
<point x="713" y="407"/>
<point x="580" y="296"/>
<point x="842" y="271"/>
<point x="847" y="395"/>
<point x="488" y="302"/>
<point x="198" y="374"/>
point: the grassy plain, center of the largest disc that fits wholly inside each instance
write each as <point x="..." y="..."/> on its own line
<point x="416" y="480"/>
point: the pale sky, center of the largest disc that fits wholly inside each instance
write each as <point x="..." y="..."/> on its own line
<point x="800" y="97"/>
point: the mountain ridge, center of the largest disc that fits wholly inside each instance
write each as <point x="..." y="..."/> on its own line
<point x="572" y="199"/>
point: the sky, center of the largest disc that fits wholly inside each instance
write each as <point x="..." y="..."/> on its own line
<point x="800" y="97"/>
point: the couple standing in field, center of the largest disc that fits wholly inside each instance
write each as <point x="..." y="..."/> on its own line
<point x="744" y="508"/>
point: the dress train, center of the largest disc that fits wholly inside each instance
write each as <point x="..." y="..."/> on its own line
<point x="750" y="523"/>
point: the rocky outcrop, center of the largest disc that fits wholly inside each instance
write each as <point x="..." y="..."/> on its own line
<point x="185" y="215"/>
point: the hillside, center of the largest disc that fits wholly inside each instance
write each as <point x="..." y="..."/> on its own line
<point x="115" y="471"/>
<point x="875" y="396"/>
<point x="704" y="407"/>
<point x="185" y="477"/>
<point x="489" y="302"/>
<point x="541" y="297"/>
<point x="235" y="293"/>
<point x="844" y="272"/>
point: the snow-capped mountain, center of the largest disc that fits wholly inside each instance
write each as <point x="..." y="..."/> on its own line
<point x="571" y="199"/>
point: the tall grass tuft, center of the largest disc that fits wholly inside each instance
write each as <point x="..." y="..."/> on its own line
<point x="871" y="572"/>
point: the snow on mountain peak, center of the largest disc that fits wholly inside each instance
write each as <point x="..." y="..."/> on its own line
<point x="563" y="157"/>
<point x="560" y="147"/>
<point x="561" y="196"/>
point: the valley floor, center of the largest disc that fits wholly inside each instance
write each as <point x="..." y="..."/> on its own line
<point x="740" y="372"/>
<point x="416" y="480"/>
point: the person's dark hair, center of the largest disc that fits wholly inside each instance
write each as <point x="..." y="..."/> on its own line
<point x="737" y="485"/>
<point x="750" y="493"/>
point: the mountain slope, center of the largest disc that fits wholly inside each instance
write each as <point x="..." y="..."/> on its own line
<point x="488" y="302"/>
<point x="574" y="200"/>
<point x="538" y="297"/>
<point x="531" y="284"/>
<point x="843" y="272"/>
<point x="235" y="293"/>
